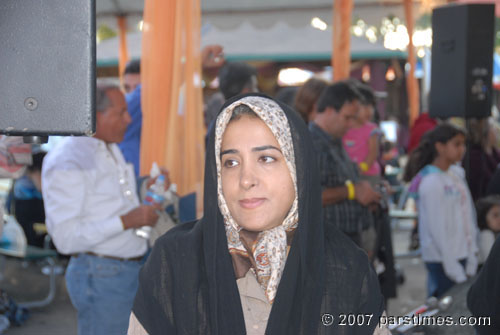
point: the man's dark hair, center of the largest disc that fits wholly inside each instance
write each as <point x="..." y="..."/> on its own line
<point x="336" y="95"/>
<point x="133" y="67"/>
<point x="234" y="77"/>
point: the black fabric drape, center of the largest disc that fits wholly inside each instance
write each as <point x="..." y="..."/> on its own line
<point x="188" y="284"/>
<point x="483" y="298"/>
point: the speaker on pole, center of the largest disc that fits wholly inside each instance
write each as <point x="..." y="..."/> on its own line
<point x="48" y="67"/>
<point x="462" y="60"/>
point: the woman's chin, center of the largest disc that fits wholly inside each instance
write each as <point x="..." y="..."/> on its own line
<point x="256" y="225"/>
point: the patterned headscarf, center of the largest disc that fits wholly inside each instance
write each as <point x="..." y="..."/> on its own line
<point x="268" y="252"/>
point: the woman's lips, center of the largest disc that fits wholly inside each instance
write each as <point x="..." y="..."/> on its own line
<point x="251" y="203"/>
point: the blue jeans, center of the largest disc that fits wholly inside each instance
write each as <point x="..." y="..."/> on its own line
<point x="437" y="280"/>
<point x="102" y="291"/>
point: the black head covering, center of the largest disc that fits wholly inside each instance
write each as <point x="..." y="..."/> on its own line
<point x="188" y="284"/>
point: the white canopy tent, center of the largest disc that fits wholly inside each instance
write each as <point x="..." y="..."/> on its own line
<point x="264" y="13"/>
<point x="279" y="43"/>
<point x="259" y="29"/>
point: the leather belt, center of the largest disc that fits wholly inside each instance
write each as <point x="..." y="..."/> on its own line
<point x="133" y="259"/>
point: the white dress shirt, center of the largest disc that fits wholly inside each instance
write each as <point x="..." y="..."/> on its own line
<point x="86" y="187"/>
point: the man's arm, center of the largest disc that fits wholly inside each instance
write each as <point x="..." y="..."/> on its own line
<point x="363" y="193"/>
<point x="333" y="195"/>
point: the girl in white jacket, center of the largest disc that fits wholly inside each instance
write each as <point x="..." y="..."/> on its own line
<point x="446" y="217"/>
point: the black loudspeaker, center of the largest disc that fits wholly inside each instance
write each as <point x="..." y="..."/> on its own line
<point x="48" y="67"/>
<point x="462" y="61"/>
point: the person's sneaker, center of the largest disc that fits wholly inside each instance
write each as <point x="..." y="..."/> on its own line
<point x="414" y="241"/>
<point x="58" y="270"/>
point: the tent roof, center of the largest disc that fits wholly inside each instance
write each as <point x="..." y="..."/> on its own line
<point x="119" y="7"/>
<point x="277" y="30"/>
<point x="260" y="13"/>
<point x="128" y="7"/>
<point x="279" y="43"/>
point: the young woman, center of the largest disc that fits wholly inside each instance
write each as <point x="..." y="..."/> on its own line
<point x="446" y="217"/>
<point x="361" y="142"/>
<point x="260" y="260"/>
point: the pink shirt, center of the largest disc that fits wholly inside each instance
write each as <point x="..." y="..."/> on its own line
<point x="356" y="145"/>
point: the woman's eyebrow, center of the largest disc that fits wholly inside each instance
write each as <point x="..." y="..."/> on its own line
<point x="256" y="149"/>
<point x="265" y="147"/>
<point x="229" y="151"/>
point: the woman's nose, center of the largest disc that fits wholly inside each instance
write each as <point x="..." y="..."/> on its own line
<point x="248" y="179"/>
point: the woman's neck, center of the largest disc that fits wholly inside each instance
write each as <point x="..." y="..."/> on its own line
<point x="358" y="123"/>
<point x="442" y="163"/>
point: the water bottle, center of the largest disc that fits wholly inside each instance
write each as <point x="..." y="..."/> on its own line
<point x="154" y="195"/>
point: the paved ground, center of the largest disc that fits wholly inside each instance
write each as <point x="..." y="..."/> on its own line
<point x="25" y="282"/>
<point x="58" y="318"/>
<point x="413" y="291"/>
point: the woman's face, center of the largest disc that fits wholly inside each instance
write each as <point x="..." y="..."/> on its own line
<point x="453" y="150"/>
<point x="365" y="113"/>
<point x="493" y="218"/>
<point x="256" y="181"/>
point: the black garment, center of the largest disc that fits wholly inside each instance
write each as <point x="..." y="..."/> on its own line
<point x="385" y="254"/>
<point x="480" y="169"/>
<point x="483" y="298"/>
<point x="28" y="212"/>
<point x="494" y="184"/>
<point x="188" y="284"/>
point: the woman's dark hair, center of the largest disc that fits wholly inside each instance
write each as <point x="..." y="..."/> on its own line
<point x="483" y="206"/>
<point x="307" y="96"/>
<point x="37" y="162"/>
<point x="426" y="152"/>
<point x="241" y="110"/>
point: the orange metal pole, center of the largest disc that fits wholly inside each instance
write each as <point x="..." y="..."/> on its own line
<point x="123" y="52"/>
<point x="411" y="82"/>
<point x="341" y="56"/>
<point x="172" y="106"/>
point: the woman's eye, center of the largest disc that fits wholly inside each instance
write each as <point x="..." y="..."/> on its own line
<point x="267" y="159"/>
<point x="230" y="163"/>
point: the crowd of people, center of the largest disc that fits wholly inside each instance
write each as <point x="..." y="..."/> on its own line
<point x="296" y="220"/>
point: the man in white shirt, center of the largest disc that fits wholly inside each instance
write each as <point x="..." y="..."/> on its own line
<point x="91" y="211"/>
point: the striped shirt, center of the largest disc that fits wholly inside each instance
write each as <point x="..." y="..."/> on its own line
<point x="335" y="168"/>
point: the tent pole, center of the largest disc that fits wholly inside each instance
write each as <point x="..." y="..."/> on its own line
<point x="411" y="81"/>
<point x="341" y="56"/>
<point x="123" y="53"/>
